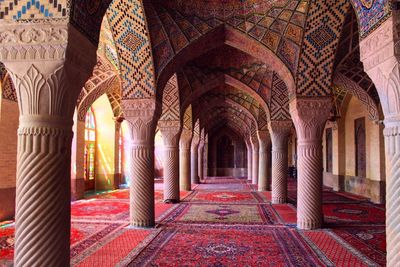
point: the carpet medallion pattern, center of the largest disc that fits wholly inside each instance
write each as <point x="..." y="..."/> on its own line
<point x="223" y="214"/>
<point x="361" y="213"/>
<point x="224" y="197"/>
<point x="227" y="246"/>
<point x="222" y="222"/>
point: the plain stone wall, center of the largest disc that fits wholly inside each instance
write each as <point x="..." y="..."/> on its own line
<point x="344" y="166"/>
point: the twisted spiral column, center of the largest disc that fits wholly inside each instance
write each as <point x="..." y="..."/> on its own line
<point x="201" y="160"/>
<point x="170" y="135"/>
<point x="280" y="131"/>
<point x="43" y="197"/>
<point x="255" y="161"/>
<point x="263" y="179"/>
<point x="205" y="162"/>
<point x="140" y="115"/>
<point x="392" y="140"/>
<point x="142" y="185"/>
<point x="194" y="160"/>
<point x="184" y="160"/>
<point x="47" y="101"/>
<point x="249" y="161"/>
<point x="309" y="116"/>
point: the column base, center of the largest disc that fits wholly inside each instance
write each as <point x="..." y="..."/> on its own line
<point x="186" y="188"/>
<point x="262" y="188"/>
<point x="279" y="200"/>
<point x="143" y="224"/>
<point x="171" y="201"/>
<point x="308" y="225"/>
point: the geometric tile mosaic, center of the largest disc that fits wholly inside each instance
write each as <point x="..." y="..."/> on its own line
<point x="324" y="24"/>
<point x="188" y="118"/>
<point x="130" y="32"/>
<point x="170" y="102"/>
<point x="87" y="16"/>
<point x="371" y="14"/>
<point x="279" y="105"/>
<point x="176" y="24"/>
<point x="33" y="9"/>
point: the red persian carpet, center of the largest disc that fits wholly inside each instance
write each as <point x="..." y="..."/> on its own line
<point x="222" y="222"/>
<point x="227" y="246"/>
<point x="223" y="197"/>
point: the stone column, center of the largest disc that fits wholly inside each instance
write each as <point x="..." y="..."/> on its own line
<point x="249" y="160"/>
<point x="170" y="131"/>
<point x="184" y="160"/>
<point x="264" y="140"/>
<point x="205" y="153"/>
<point x="392" y="143"/>
<point x="280" y="131"/>
<point x="141" y="116"/>
<point x="255" y="151"/>
<point x="309" y="116"/>
<point x="40" y="65"/>
<point x="380" y="54"/>
<point x="194" y="163"/>
<point x="77" y="160"/>
<point x="201" y="159"/>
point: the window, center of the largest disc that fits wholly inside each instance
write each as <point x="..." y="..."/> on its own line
<point x="90" y="146"/>
<point x="120" y="144"/>
<point x="329" y="150"/>
<point x="360" y="145"/>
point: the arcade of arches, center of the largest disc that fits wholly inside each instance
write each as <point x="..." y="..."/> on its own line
<point x="166" y="122"/>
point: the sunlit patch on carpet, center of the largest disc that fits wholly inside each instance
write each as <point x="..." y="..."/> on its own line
<point x="227" y="246"/>
<point x="116" y="194"/>
<point x="100" y="209"/>
<point x="6" y="244"/>
<point x="222" y="214"/>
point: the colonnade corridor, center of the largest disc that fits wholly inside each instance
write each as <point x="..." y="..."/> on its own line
<point x="223" y="221"/>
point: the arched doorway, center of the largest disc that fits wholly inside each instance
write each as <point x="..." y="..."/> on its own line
<point x="225" y="152"/>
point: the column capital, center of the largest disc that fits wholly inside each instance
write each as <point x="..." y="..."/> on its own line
<point x="186" y="139"/>
<point x="264" y="139"/>
<point x="170" y="131"/>
<point x="254" y="143"/>
<point x="195" y="140"/>
<point x="280" y="126"/>
<point x="310" y="115"/>
<point x="141" y="116"/>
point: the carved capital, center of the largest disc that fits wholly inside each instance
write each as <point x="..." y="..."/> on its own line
<point x="33" y="42"/>
<point x="379" y="46"/>
<point x="186" y="139"/>
<point x="195" y="143"/>
<point x="264" y="140"/>
<point x="309" y="116"/>
<point x="140" y="115"/>
<point x="254" y="144"/>
<point x="43" y="90"/>
<point x="280" y="131"/>
<point x="170" y="131"/>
